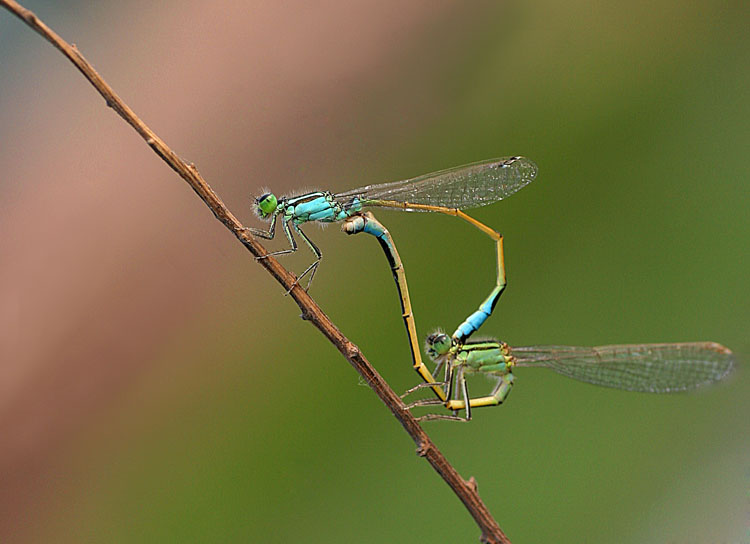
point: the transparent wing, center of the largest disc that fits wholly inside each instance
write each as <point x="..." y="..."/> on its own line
<point x="654" y="368"/>
<point x="468" y="186"/>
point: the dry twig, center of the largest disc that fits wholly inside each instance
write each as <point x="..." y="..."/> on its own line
<point x="465" y="490"/>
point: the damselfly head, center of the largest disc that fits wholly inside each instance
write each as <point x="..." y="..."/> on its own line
<point x="438" y="344"/>
<point x="265" y="205"/>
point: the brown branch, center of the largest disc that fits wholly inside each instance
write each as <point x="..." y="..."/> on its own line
<point x="465" y="490"/>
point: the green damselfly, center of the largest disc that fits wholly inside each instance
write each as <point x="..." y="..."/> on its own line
<point x="447" y="191"/>
<point x="648" y="368"/>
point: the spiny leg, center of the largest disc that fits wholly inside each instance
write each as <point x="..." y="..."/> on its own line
<point x="460" y="382"/>
<point x="423" y="385"/>
<point x="292" y="242"/>
<point x="444" y="383"/>
<point x="449" y="381"/>
<point x="499" y="393"/>
<point x="318" y="256"/>
<point x="433" y="417"/>
<point x="424" y="402"/>
<point x="287" y="231"/>
<point x="269" y="236"/>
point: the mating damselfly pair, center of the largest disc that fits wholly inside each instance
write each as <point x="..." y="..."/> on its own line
<point x="657" y="368"/>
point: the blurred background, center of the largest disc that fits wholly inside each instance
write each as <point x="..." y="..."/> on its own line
<point x="156" y="385"/>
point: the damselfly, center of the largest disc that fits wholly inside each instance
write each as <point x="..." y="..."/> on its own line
<point x="648" y="368"/>
<point x="448" y="191"/>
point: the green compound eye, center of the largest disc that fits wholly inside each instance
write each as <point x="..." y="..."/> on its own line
<point x="438" y="344"/>
<point x="266" y="204"/>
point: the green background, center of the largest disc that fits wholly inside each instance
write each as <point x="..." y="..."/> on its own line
<point x="246" y="426"/>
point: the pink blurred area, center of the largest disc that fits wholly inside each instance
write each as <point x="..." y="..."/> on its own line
<point x="104" y="251"/>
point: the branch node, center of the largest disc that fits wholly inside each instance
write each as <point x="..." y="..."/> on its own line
<point x="423" y="449"/>
<point x="472" y="483"/>
<point x="352" y="351"/>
